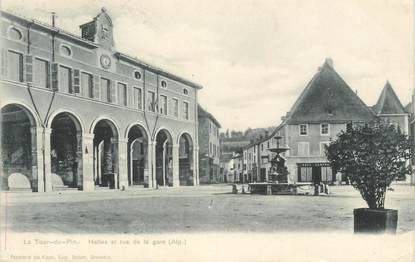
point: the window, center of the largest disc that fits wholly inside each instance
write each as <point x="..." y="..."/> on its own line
<point x="163" y="84"/>
<point x="15" y="70"/>
<point x="65" y="79"/>
<point x="175" y="107"/>
<point x="185" y="91"/>
<point x="151" y="101"/>
<point x="303" y="149"/>
<point x="262" y="147"/>
<point x="87" y="85"/>
<point x="105" y="90"/>
<point x="138" y="98"/>
<point x="137" y="75"/>
<point x="41" y="73"/>
<point x="122" y="94"/>
<point x="268" y="144"/>
<point x="66" y="50"/>
<point x="15" y="34"/>
<point x="324" y="129"/>
<point x="186" y="110"/>
<point x="265" y="160"/>
<point x="303" y="130"/>
<point x="163" y="105"/>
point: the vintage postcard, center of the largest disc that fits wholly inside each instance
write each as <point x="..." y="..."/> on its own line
<point x="233" y="130"/>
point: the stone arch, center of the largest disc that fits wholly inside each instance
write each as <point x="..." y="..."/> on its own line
<point x="164" y="157"/>
<point x="186" y="163"/>
<point x="19" y="143"/>
<point x="115" y="127"/>
<point x="66" y="149"/>
<point x="105" y="144"/>
<point x="34" y="118"/>
<point x="75" y="117"/>
<point x="137" y="155"/>
<point x="130" y="126"/>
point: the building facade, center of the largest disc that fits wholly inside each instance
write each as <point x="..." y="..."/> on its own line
<point x="209" y="147"/>
<point x="77" y="113"/>
<point x="325" y="107"/>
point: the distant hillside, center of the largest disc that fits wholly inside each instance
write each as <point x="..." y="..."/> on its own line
<point x="233" y="141"/>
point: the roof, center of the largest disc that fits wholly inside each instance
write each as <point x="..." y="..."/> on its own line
<point x="328" y="98"/>
<point x="203" y="113"/>
<point x="265" y="138"/>
<point x="388" y="102"/>
<point x="90" y="44"/>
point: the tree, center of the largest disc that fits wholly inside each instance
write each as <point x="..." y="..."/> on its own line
<point x="371" y="157"/>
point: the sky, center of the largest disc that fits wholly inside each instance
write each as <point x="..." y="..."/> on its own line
<point x="254" y="58"/>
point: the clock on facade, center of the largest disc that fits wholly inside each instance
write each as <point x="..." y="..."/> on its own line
<point x="105" y="61"/>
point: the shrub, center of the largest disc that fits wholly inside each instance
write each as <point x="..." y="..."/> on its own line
<point x="371" y="156"/>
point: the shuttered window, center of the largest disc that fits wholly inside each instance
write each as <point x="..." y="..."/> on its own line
<point x="15" y="64"/>
<point x="163" y="105"/>
<point x="151" y="101"/>
<point x="87" y="86"/>
<point x="186" y="110"/>
<point x="303" y="149"/>
<point x="65" y="79"/>
<point x="105" y="90"/>
<point x="175" y="103"/>
<point x="138" y="98"/>
<point x="41" y="73"/>
<point x="122" y="94"/>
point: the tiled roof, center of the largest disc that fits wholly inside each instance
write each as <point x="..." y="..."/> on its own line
<point x="203" y="113"/>
<point x="328" y="98"/>
<point x="388" y="102"/>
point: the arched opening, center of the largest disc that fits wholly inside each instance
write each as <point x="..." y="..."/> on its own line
<point x="164" y="159"/>
<point x="186" y="160"/>
<point x="66" y="152"/>
<point x="137" y="156"/>
<point x="106" y="154"/>
<point x="18" y="147"/>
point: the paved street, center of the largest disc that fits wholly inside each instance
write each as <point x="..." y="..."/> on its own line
<point x="193" y="209"/>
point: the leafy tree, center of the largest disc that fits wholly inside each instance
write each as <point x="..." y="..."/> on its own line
<point x="371" y="157"/>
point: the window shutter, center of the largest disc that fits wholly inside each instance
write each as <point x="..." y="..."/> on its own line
<point x="29" y="68"/>
<point x="55" y="82"/>
<point x="76" y="81"/>
<point x="4" y="63"/>
<point x="96" y="86"/>
<point x="112" y="87"/>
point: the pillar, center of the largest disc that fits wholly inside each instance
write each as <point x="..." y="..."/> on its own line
<point x="79" y="159"/>
<point x="175" y="155"/>
<point x="37" y="159"/>
<point x="152" y="164"/>
<point x="88" y="162"/>
<point x="123" y="163"/>
<point x="195" y="165"/>
<point x="47" y="160"/>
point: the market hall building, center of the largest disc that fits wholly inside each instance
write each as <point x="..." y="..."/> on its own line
<point x="78" y="114"/>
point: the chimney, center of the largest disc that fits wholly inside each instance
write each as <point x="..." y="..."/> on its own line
<point x="53" y="19"/>
<point x="329" y="62"/>
<point x="266" y="133"/>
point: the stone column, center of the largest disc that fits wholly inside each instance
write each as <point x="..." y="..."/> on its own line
<point x="79" y="152"/>
<point x="123" y="163"/>
<point x="115" y="157"/>
<point x="175" y="155"/>
<point x="196" y="166"/>
<point x="151" y="158"/>
<point x="37" y="159"/>
<point x="88" y="162"/>
<point x="47" y="160"/>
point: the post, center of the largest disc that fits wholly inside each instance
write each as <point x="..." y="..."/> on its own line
<point x="175" y="155"/>
<point x="196" y="166"/>
<point x="47" y="161"/>
<point x="122" y="163"/>
<point x="88" y="162"/>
